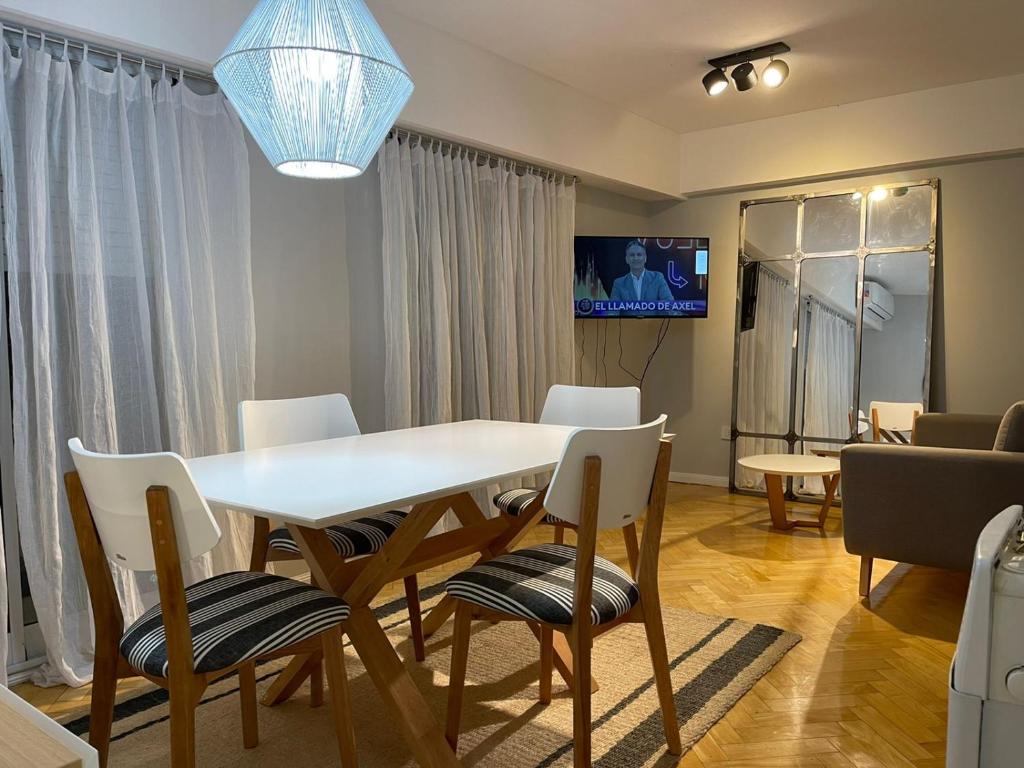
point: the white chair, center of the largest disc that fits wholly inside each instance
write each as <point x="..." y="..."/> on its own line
<point x="145" y="513"/>
<point x="573" y="406"/>
<point x="889" y="421"/>
<point x="606" y="478"/>
<point x="267" y="423"/>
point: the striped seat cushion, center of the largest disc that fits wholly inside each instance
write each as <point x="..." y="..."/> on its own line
<point x="235" y="617"/>
<point x="354" y="539"/>
<point x="514" y="502"/>
<point x="537" y="583"/>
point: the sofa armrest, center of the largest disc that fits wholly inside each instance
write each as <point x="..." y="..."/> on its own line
<point x="924" y="505"/>
<point x="956" y="430"/>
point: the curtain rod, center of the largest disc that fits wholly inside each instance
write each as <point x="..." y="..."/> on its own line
<point x="20" y="31"/>
<point x="829" y="309"/>
<point x="480" y="154"/>
<point x="809" y="298"/>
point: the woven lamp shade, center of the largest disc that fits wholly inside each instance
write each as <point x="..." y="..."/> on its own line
<point x="317" y="84"/>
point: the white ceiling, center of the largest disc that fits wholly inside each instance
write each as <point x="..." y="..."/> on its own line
<point x="647" y="56"/>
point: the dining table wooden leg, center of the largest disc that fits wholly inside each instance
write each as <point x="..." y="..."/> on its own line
<point x="409" y="712"/>
<point x="438" y="615"/>
<point x="291" y="678"/>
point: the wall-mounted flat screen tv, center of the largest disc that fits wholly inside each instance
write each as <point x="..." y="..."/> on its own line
<point x="641" y="277"/>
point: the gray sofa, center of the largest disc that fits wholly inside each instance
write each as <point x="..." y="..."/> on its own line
<point x="926" y="504"/>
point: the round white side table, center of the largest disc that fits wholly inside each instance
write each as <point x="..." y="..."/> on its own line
<point x="776" y="466"/>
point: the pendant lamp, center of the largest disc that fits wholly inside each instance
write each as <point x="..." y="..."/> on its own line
<point x="317" y="84"/>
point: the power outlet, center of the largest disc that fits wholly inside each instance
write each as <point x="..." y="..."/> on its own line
<point x="726" y="433"/>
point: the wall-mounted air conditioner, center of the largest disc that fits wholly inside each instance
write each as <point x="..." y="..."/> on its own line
<point x="878" y="302"/>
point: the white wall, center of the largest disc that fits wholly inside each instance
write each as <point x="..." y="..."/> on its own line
<point x="985" y="117"/>
<point x="462" y="92"/>
<point x="977" y="364"/>
<point x="300" y="279"/>
<point x="316" y="250"/>
<point x="892" y="358"/>
<point x="466" y="93"/>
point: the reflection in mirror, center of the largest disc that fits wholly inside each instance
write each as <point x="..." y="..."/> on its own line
<point x="809" y="485"/>
<point x="831" y="223"/>
<point x="765" y="351"/>
<point x="895" y="340"/>
<point x="828" y="316"/>
<point x="770" y="230"/>
<point x="900" y="216"/>
<point x="753" y="446"/>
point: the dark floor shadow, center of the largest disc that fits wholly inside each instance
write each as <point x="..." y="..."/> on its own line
<point x="907" y="597"/>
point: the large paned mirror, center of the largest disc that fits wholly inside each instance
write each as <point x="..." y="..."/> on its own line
<point x="833" y="321"/>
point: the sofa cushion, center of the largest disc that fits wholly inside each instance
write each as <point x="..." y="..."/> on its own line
<point x="957" y="430"/>
<point x="1010" y="436"/>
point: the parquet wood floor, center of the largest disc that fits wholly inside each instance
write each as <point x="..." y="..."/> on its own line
<point x="865" y="688"/>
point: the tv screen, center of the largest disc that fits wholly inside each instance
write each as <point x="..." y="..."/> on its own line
<point x="641" y="277"/>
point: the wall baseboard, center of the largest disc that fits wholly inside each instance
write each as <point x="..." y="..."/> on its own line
<point x="692" y="479"/>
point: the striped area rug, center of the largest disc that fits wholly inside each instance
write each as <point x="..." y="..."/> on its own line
<point x="714" y="662"/>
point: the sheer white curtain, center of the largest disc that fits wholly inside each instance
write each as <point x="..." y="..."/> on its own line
<point x="477" y="286"/>
<point x="131" y="317"/>
<point x="828" y="387"/>
<point x="765" y="357"/>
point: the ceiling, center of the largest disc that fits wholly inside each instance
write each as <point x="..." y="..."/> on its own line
<point x="648" y="56"/>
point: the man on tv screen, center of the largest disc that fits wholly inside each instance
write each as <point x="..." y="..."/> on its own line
<point x="640" y="283"/>
<point x="661" y="276"/>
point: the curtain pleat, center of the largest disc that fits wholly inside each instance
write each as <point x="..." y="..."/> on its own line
<point x="477" y="286"/>
<point x="828" y="396"/>
<point x="765" y="355"/>
<point x="128" y="265"/>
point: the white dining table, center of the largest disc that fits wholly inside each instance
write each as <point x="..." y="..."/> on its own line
<point x="310" y="486"/>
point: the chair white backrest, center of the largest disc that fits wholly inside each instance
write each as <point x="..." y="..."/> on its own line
<point x="628" y="457"/>
<point x="591" y="406"/>
<point x="266" y="423"/>
<point x="896" y="417"/>
<point x="116" y="489"/>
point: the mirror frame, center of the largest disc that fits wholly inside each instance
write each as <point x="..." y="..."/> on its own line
<point x="792" y="438"/>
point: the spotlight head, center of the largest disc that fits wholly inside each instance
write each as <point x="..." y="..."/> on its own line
<point x="775" y="73"/>
<point x="745" y="76"/>
<point x="715" y="82"/>
<point x="878" y="194"/>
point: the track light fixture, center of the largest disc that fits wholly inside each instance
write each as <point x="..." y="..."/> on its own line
<point x="743" y="74"/>
<point x="775" y="73"/>
<point x="715" y="82"/>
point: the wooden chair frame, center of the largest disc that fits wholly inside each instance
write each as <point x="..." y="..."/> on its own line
<point x="581" y="633"/>
<point x="184" y="684"/>
<point x="629" y="535"/>
<point x="878" y="433"/>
